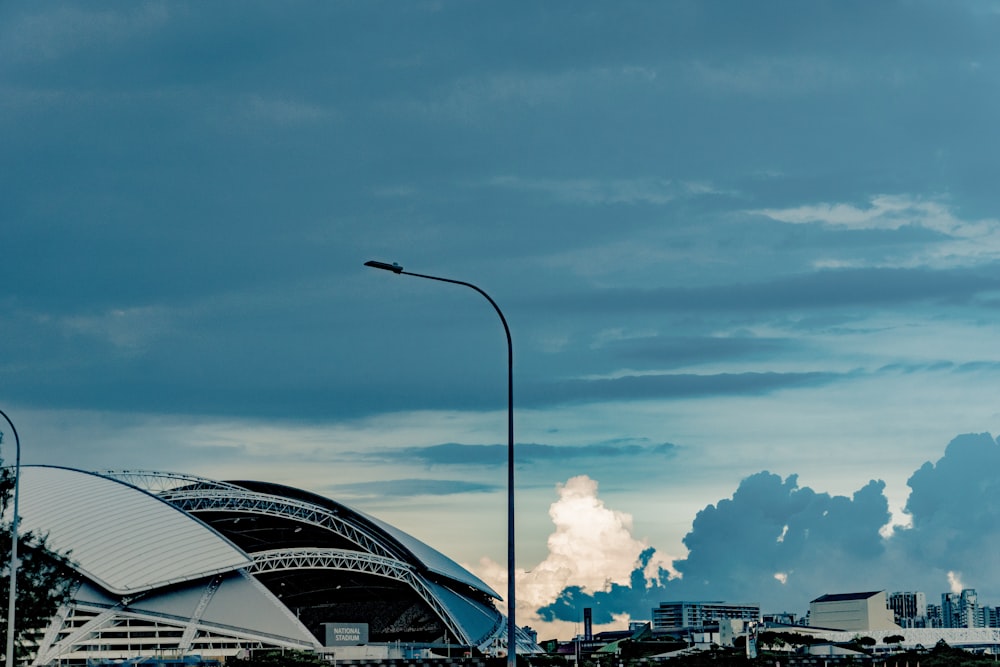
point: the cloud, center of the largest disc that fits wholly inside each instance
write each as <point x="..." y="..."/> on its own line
<point x="885" y="212"/>
<point x="283" y="111"/>
<point x="461" y="454"/>
<point x="471" y="99"/>
<point x="121" y="328"/>
<point x="830" y="288"/>
<point x="772" y="543"/>
<point x="55" y="33"/>
<point x="591" y="548"/>
<point x="679" y="385"/>
<point x="770" y="76"/>
<point x="782" y="528"/>
<point x="409" y="487"/>
<point x="196" y="358"/>
<point x="959" y="241"/>
<point x="687" y="350"/>
<point x="954" y="507"/>
<point x="604" y="191"/>
<point x="779" y="544"/>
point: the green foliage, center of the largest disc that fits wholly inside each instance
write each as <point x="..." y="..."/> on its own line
<point x="543" y="660"/>
<point x="279" y="658"/>
<point x="44" y="578"/>
<point x="779" y="640"/>
<point x="634" y="650"/>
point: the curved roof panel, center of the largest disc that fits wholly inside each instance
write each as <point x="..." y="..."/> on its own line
<point x="476" y="618"/>
<point x="121" y="537"/>
<point x="432" y="559"/>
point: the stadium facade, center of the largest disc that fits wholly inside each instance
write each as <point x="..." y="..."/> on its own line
<point x="174" y="565"/>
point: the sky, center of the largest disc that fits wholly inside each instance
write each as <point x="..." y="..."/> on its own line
<point x="749" y="254"/>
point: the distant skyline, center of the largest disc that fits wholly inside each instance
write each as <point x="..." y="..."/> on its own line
<point x="749" y="254"/>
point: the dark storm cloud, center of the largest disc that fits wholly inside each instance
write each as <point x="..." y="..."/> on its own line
<point x="769" y="527"/>
<point x="460" y="454"/>
<point x="672" y="350"/>
<point x="821" y="543"/>
<point x="914" y="368"/>
<point x="409" y="487"/>
<point x="954" y="505"/>
<point x="780" y="528"/>
<point x="681" y="385"/>
<point x="637" y="598"/>
<point x="222" y="171"/>
<point x="843" y="288"/>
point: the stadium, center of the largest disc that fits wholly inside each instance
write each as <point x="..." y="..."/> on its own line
<point x="174" y="565"/>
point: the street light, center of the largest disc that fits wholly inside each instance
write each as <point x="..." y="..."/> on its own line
<point x="13" y="545"/>
<point x="511" y="632"/>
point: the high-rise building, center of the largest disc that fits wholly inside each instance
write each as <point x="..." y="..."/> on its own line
<point x="909" y="608"/>
<point x="961" y="610"/>
<point x="934" y="618"/>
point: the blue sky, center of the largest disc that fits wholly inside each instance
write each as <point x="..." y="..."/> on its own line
<point x="747" y="251"/>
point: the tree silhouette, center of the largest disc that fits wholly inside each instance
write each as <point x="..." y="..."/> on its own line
<point x="44" y="578"/>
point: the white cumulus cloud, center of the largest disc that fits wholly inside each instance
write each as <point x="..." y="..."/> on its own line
<point x="592" y="547"/>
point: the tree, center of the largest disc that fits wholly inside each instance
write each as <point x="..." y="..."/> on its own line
<point x="772" y="639"/>
<point x="44" y="578"/>
<point x="278" y="658"/>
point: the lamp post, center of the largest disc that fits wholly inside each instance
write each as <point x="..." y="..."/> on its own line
<point x="13" y="545"/>
<point x="511" y="626"/>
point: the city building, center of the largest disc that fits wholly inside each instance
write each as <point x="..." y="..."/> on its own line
<point x="934" y="619"/>
<point x="175" y="565"/>
<point x="910" y="609"/>
<point x="781" y="618"/>
<point x="682" y="615"/>
<point x="852" y="611"/>
<point x="961" y="610"/>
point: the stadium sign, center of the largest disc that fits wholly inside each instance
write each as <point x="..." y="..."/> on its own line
<point x="346" y="634"/>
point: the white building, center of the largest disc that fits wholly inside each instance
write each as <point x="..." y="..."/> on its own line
<point x="678" y="615"/>
<point x="852" y="611"/>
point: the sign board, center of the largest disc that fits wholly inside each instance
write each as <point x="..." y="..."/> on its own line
<point x="346" y="634"/>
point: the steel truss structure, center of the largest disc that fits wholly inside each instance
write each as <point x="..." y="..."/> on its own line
<point x="83" y="630"/>
<point x="177" y="619"/>
<point x="352" y="561"/>
<point x="196" y="494"/>
<point x="200" y="494"/>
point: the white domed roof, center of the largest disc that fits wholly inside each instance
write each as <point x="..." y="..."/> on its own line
<point x="123" y="538"/>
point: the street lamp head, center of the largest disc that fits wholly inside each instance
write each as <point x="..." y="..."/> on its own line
<point x="395" y="268"/>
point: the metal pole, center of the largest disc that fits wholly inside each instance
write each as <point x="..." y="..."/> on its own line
<point x="511" y="625"/>
<point x="11" y="607"/>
